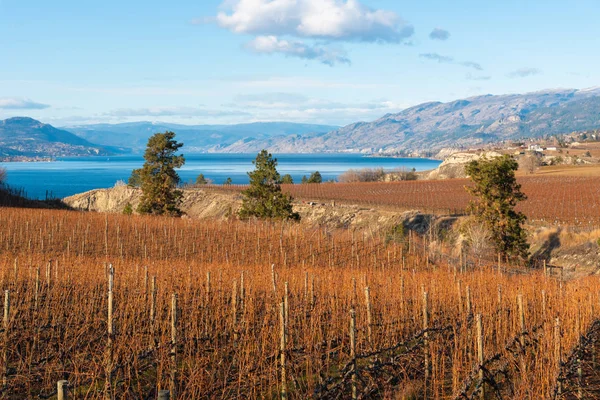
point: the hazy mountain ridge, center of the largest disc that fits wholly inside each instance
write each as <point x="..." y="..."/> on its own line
<point x="466" y="122"/>
<point x="196" y="138"/>
<point x="22" y="136"/>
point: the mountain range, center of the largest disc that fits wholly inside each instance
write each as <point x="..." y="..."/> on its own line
<point x="423" y="129"/>
<point x="429" y="127"/>
<point x="196" y="138"/>
<point x="26" y="137"/>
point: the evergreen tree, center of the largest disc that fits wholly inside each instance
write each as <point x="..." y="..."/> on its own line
<point x="287" y="179"/>
<point x="264" y="198"/>
<point x="315" y="177"/>
<point x="201" y="180"/>
<point x="158" y="177"/>
<point x="228" y="181"/>
<point x="497" y="193"/>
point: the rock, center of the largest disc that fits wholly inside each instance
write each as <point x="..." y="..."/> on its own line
<point x="454" y="165"/>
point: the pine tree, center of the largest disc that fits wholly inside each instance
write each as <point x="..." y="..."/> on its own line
<point x="315" y="177"/>
<point x="497" y="193"/>
<point x="264" y="198"/>
<point x="158" y="177"/>
<point x="287" y="179"/>
<point x="201" y="180"/>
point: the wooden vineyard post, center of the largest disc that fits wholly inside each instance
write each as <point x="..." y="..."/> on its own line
<point x="286" y="302"/>
<point x="242" y="291"/>
<point x="521" y="320"/>
<point x="312" y="293"/>
<point x="234" y="310"/>
<point x="282" y="346"/>
<point x="521" y="311"/>
<point x="369" y="316"/>
<point x="173" y="385"/>
<point x="146" y="283"/>
<point x="499" y="296"/>
<point x="207" y="287"/>
<point x="557" y="354"/>
<point x="469" y="311"/>
<point x="480" y="355"/>
<point x="353" y="351"/>
<point x="579" y="351"/>
<point x="62" y="390"/>
<point x="110" y="328"/>
<point x="152" y="304"/>
<point x="5" y="323"/>
<point x="37" y="286"/>
<point x="499" y="263"/>
<point x="426" y="335"/>
<point x="48" y="273"/>
<point x="273" y="279"/>
<point x="544" y="305"/>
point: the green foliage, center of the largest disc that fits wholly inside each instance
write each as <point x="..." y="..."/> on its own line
<point x="135" y="180"/>
<point x="228" y="181"/>
<point x="396" y="234"/>
<point x="128" y="210"/>
<point x="264" y="198"/>
<point x="304" y="179"/>
<point x="2" y="176"/>
<point x="201" y="180"/>
<point x="497" y="193"/>
<point x="158" y="177"/>
<point x="315" y="177"/>
<point x="287" y="179"/>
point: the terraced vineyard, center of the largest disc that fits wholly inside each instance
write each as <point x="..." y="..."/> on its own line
<point x="125" y="306"/>
<point x="553" y="199"/>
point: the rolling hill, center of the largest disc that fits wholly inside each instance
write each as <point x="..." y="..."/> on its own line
<point x="21" y="136"/>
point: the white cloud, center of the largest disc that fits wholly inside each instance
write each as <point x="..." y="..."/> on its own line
<point x="14" y="103"/>
<point x="172" y="112"/>
<point x="293" y="107"/>
<point x="272" y="44"/>
<point x="524" y="72"/>
<point x="439" y="34"/>
<point x="347" y="20"/>
<point x="437" y="57"/>
<point x="450" y="60"/>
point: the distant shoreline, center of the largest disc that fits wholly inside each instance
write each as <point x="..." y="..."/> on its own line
<point x="26" y="159"/>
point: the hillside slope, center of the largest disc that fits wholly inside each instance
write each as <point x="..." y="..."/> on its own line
<point x="432" y="126"/>
<point x="23" y="136"/>
<point x="196" y="138"/>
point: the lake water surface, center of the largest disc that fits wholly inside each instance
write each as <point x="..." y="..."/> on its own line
<point x="67" y="176"/>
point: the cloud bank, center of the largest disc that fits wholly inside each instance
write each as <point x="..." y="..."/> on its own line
<point x="291" y="27"/>
<point x="272" y="44"/>
<point x="321" y="19"/>
<point x="450" y="60"/>
<point x="14" y="103"/>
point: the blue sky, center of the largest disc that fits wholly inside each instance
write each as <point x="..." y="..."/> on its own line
<point x="319" y="61"/>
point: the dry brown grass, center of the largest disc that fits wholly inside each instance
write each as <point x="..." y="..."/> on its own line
<point x="227" y="354"/>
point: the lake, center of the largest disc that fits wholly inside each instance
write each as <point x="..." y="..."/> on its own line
<point x="70" y="175"/>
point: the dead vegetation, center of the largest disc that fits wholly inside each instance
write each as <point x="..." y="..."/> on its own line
<point x="225" y="309"/>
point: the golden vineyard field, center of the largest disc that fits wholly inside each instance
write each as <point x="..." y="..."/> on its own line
<point x="559" y="200"/>
<point x="226" y="309"/>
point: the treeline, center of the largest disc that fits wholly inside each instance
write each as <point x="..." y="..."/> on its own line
<point x="377" y="175"/>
